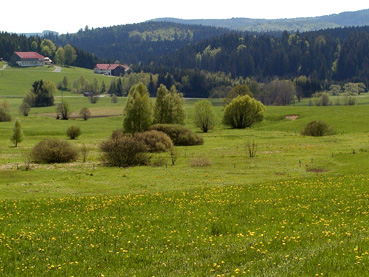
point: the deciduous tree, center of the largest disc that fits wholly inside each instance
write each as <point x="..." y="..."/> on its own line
<point x="204" y="115"/>
<point x="17" y="136"/>
<point x="138" y="110"/>
<point x="243" y="111"/>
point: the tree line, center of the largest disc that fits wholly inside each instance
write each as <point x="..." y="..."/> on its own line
<point x="327" y="55"/>
<point x="64" y="55"/>
<point x="136" y="43"/>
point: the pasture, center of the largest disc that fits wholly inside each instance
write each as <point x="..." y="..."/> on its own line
<point x="299" y="207"/>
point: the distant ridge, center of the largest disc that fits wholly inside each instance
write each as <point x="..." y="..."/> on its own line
<point x="344" y="19"/>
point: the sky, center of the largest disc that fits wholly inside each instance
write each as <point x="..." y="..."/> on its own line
<point x="68" y="16"/>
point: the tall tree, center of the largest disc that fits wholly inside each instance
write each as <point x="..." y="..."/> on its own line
<point x="59" y="56"/>
<point x="169" y="106"/>
<point x="69" y="54"/>
<point x="17" y="136"/>
<point x="204" y="115"/>
<point x="138" y="110"/>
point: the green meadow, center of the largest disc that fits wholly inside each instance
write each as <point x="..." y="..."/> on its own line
<point x="298" y="208"/>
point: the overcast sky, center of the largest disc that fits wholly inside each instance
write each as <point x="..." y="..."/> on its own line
<point x="71" y="15"/>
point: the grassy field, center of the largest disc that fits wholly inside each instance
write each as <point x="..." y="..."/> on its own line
<point x="15" y="82"/>
<point x="299" y="208"/>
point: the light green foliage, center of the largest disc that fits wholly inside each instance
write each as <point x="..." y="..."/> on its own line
<point x="138" y="110"/>
<point x="34" y="45"/>
<point x="236" y="91"/>
<point x="169" y="106"/>
<point x="46" y="51"/>
<point x="59" y="56"/>
<point x="18" y="135"/>
<point x="204" y="115"/>
<point x="354" y="88"/>
<point x="69" y="54"/>
<point x="48" y="43"/>
<point x="335" y="89"/>
<point x="242" y="112"/>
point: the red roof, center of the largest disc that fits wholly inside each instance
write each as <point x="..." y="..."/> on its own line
<point x="108" y="66"/>
<point x="29" y="55"/>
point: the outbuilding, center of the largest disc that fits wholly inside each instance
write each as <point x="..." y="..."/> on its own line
<point x="111" y="69"/>
<point x="26" y="59"/>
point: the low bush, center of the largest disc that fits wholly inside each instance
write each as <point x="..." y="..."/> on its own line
<point x="4" y="115"/>
<point x="124" y="150"/>
<point x="54" y="151"/>
<point x="155" y="141"/>
<point x="85" y="113"/>
<point x="180" y="135"/>
<point x="73" y="132"/>
<point x="316" y="128"/>
<point x="200" y="162"/>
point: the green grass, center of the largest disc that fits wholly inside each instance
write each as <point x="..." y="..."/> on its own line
<point x="299" y="208"/>
<point x="15" y="82"/>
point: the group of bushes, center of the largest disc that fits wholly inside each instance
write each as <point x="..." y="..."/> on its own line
<point x="124" y="149"/>
<point x="121" y="149"/>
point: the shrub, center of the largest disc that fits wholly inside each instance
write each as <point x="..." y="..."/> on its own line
<point x="85" y="113"/>
<point x="204" y="115"/>
<point x="114" y="99"/>
<point x="124" y="150"/>
<point x="200" y="162"/>
<point x="242" y="112"/>
<point x="159" y="161"/>
<point x="63" y="110"/>
<point x="316" y="128"/>
<point x="73" y="132"/>
<point x="155" y="141"/>
<point x="4" y="115"/>
<point x="54" y="151"/>
<point x="180" y="135"/>
<point x="24" y="109"/>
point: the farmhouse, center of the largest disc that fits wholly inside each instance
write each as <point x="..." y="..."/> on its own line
<point x="25" y="59"/>
<point x="111" y="69"/>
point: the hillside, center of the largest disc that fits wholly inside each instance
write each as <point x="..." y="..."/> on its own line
<point x="357" y="18"/>
<point x="333" y="54"/>
<point x="135" y="43"/>
<point x="9" y="43"/>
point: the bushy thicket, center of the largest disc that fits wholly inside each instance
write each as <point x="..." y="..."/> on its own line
<point x="4" y="115"/>
<point x="316" y="128"/>
<point x="124" y="150"/>
<point x="180" y="135"/>
<point x="54" y="151"/>
<point x="155" y="141"/>
<point x="73" y="132"/>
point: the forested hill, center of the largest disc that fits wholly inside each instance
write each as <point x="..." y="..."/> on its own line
<point x="135" y="43"/>
<point x="345" y="19"/>
<point x="335" y="54"/>
<point x="10" y="43"/>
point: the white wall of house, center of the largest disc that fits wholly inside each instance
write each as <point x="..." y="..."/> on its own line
<point x="102" y="71"/>
<point x="30" y="63"/>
